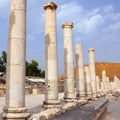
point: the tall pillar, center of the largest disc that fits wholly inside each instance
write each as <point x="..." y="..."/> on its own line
<point x="92" y="71"/>
<point x="102" y="88"/>
<point x="15" y="83"/>
<point x="107" y="84"/>
<point x="104" y="80"/>
<point x="51" y="75"/>
<point x="88" y="82"/>
<point x="98" y="84"/>
<point x="68" y="62"/>
<point x="80" y="79"/>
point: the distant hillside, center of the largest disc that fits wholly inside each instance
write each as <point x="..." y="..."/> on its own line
<point x="110" y="68"/>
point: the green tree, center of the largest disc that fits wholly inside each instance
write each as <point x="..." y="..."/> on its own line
<point x="32" y="69"/>
<point x="3" y="60"/>
<point x="42" y="74"/>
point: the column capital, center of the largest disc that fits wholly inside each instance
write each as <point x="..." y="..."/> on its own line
<point x="78" y="46"/>
<point x="51" y="5"/>
<point x="103" y="72"/>
<point x="67" y="24"/>
<point x="91" y="49"/>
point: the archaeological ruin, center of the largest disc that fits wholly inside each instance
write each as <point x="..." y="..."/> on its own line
<point x="87" y="87"/>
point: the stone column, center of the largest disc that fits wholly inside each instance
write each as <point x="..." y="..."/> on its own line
<point x="98" y="83"/>
<point x="15" y="83"/>
<point x="102" y="88"/>
<point x="92" y="71"/>
<point x="68" y="62"/>
<point x="117" y="83"/>
<point x="107" y="84"/>
<point x="104" y="80"/>
<point x="80" y="79"/>
<point x="51" y="75"/>
<point x="88" y="82"/>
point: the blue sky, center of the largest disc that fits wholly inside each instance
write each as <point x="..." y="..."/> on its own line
<point x="96" y="24"/>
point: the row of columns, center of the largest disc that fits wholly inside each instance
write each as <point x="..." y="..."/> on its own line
<point x="87" y="82"/>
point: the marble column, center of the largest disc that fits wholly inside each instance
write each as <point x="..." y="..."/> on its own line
<point x="69" y="87"/>
<point x="104" y="80"/>
<point x="102" y="88"/>
<point x="88" y="82"/>
<point x="80" y="79"/>
<point x="92" y="71"/>
<point x="98" y="83"/>
<point x="107" y="84"/>
<point x="51" y="75"/>
<point x="15" y="83"/>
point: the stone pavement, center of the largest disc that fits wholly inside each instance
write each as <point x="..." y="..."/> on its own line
<point x="33" y="102"/>
<point x="86" y="112"/>
<point x="113" y="110"/>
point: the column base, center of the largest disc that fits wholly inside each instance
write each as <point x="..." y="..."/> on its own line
<point x="12" y="113"/>
<point x="94" y="95"/>
<point x="98" y="95"/>
<point x="81" y="97"/>
<point x="70" y="98"/>
<point x="51" y="104"/>
<point x="89" y="97"/>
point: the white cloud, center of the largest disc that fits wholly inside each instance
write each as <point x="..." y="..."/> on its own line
<point x="90" y="24"/>
<point x="108" y="8"/>
<point x="69" y="12"/>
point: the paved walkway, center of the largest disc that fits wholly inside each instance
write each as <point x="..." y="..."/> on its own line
<point x="86" y="112"/>
<point x="33" y="102"/>
<point x="113" y="110"/>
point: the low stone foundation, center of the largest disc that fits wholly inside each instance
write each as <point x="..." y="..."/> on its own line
<point x="93" y="110"/>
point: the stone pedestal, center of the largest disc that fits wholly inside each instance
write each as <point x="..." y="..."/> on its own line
<point x="15" y="83"/>
<point x="88" y="86"/>
<point x="69" y="87"/>
<point x="80" y="79"/>
<point x="92" y="72"/>
<point x="51" y="75"/>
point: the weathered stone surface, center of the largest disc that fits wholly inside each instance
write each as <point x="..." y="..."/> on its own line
<point x="15" y="84"/>
<point x="86" y="112"/>
<point x="69" y="86"/>
<point x="80" y="79"/>
<point x="45" y="115"/>
<point x="92" y="71"/>
<point x="88" y="82"/>
<point x="51" y="74"/>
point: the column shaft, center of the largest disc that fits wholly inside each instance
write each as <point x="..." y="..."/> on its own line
<point x="15" y="83"/>
<point x="68" y="62"/>
<point x="80" y="79"/>
<point x="51" y="75"/>
<point x="92" y="71"/>
<point x="88" y="82"/>
<point x="98" y="84"/>
<point x="104" y="80"/>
